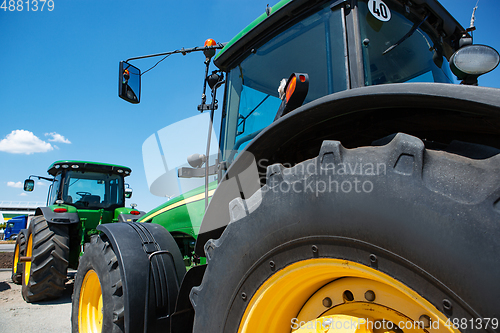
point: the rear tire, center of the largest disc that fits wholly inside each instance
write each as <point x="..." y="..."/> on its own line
<point x="19" y="251"/>
<point x="48" y="246"/>
<point x="98" y="301"/>
<point x="425" y="231"/>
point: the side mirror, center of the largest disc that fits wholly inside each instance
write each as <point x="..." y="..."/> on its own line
<point x="129" y="84"/>
<point x="128" y="193"/>
<point x="29" y="185"/>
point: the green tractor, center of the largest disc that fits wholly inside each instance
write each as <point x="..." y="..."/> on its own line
<point x="82" y="195"/>
<point x="356" y="187"/>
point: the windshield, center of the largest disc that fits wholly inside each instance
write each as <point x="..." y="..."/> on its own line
<point x="395" y="50"/>
<point x="93" y="190"/>
<point x="252" y="88"/>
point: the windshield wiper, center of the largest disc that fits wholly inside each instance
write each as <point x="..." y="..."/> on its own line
<point x="244" y="119"/>
<point x="405" y="37"/>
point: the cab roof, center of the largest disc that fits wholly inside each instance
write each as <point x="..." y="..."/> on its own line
<point x="286" y="10"/>
<point x="57" y="166"/>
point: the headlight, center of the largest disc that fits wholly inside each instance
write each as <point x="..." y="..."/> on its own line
<point x="474" y="60"/>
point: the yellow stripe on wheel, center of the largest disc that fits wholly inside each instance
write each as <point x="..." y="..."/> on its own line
<point x="27" y="265"/>
<point x="332" y="295"/>
<point x="16" y="259"/>
<point x="90" y="304"/>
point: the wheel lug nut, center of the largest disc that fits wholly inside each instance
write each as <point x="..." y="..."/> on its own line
<point x="447" y="305"/>
<point x="370" y="296"/>
<point x="327" y="302"/>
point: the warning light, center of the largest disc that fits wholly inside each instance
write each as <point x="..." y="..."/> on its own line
<point x="210" y="42"/>
<point x="209" y="53"/>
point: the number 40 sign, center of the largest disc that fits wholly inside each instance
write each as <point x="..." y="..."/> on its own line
<point x="380" y="10"/>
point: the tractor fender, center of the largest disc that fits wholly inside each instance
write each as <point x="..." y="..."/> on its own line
<point x="122" y="217"/>
<point x="58" y="218"/>
<point x="133" y="243"/>
<point x="320" y="114"/>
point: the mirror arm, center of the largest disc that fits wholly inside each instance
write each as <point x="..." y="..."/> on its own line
<point x="183" y="51"/>
<point x="40" y="177"/>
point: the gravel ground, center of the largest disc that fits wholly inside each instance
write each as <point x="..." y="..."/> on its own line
<point x="18" y="316"/>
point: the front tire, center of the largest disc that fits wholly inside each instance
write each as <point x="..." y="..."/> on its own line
<point x="98" y="302"/>
<point x="315" y="245"/>
<point x="45" y="275"/>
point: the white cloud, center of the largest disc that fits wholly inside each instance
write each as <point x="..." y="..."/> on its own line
<point x="14" y="184"/>
<point x="55" y="137"/>
<point x="24" y="142"/>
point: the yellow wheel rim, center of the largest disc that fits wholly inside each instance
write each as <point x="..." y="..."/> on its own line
<point x="90" y="304"/>
<point x="332" y="295"/>
<point x="27" y="265"/>
<point x="16" y="259"/>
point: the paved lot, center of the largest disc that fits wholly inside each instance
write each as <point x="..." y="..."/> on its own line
<point x="18" y="316"/>
<point x="7" y="247"/>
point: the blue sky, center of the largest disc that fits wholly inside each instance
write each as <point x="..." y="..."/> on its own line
<point x="58" y="84"/>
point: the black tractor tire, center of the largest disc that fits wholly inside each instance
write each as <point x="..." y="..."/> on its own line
<point x="99" y="258"/>
<point x="426" y="220"/>
<point x="48" y="246"/>
<point x="19" y="251"/>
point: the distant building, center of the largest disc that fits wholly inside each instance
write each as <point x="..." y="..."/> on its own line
<point x="9" y="209"/>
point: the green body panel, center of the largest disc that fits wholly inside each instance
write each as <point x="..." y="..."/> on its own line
<point x="252" y="25"/>
<point x="184" y="219"/>
<point x="90" y="219"/>
<point x="182" y="214"/>
<point x="121" y="210"/>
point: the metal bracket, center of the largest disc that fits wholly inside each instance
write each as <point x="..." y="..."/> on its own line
<point x="185" y="172"/>
<point x="205" y="107"/>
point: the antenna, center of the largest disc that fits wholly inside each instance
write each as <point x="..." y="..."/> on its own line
<point x="473" y="18"/>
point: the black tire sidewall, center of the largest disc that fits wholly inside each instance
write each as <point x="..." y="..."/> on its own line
<point x="53" y="274"/>
<point x="421" y="238"/>
<point x="95" y="259"/>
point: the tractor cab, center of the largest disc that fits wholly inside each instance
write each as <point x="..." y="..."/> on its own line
<point x="89" y="187"/>
<point x="86" y="185"/>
